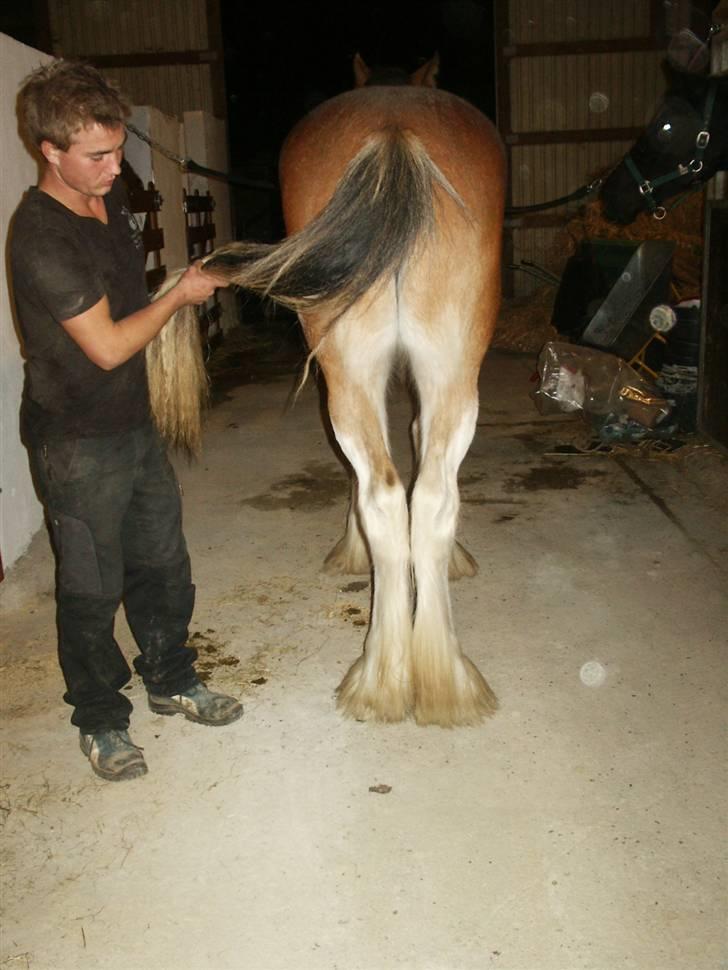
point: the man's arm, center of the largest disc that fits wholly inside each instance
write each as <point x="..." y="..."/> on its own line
<point x="109" y="343"/>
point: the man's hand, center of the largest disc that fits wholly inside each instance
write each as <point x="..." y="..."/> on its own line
<point x="196" y="286"/>
<point x="109" y="343"/>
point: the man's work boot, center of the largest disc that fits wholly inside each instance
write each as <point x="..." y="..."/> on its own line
<point x="113" y="755"/>
<point x="198" y="704"/>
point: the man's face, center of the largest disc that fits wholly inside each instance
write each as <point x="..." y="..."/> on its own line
<point x="92" y="162"/>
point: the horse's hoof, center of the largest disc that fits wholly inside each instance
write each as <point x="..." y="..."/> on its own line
<point x="461" y="563"/>
<point x="348" y="559"/>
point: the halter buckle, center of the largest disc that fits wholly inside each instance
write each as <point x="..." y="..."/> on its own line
<point x="660" y="212"/>
<point x="645" y="188"/>
<point x="702" y="139"/>
<point x="695" y="166"/>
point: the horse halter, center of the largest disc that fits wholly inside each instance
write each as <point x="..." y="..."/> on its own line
<point x="695" y="165"/>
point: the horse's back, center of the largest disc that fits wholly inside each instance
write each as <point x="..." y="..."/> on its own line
<point x="457" y="137"/>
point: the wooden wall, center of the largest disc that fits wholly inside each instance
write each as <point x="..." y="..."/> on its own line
<point x="577" y="82"/>
<point x="167" y="53"/>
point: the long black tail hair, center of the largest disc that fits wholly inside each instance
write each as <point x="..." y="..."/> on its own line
<point x="383" y="205"/>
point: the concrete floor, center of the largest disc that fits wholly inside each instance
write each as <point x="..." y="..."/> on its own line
<point x="582" y="828"/>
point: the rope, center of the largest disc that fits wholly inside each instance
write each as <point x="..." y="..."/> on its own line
<point x="188" y="165"/>
<point x="191" y="166"/>
<point x="572" y="197"/>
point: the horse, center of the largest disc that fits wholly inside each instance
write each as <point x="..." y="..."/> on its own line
<point x="684" y="145"/>
<point x="393" y="200"/>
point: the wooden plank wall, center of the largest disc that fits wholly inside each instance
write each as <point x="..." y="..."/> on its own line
<point x="577" y="82"/>
<point x="168" y="53"/>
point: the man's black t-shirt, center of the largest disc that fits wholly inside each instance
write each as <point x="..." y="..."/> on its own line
<point x="62" y="265"/>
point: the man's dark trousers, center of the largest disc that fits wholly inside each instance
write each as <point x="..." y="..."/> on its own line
<point x="115" y="515"/>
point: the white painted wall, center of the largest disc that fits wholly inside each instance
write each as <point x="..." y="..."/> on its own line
<point x="200" y="137"/>
<point x="137" y="152"/>
<point x="21" y="514"/>
<point x="205" y="142"/>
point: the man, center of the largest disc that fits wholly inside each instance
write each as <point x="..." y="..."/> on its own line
<point x="101" y="470"/>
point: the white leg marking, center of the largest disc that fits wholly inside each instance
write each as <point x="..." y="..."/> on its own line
<point x="350" y="555"/>
<point x="379" y="685"/>
<point x="449" y="690"/>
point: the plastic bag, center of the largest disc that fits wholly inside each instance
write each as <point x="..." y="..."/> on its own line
<point x="576" y="378"/>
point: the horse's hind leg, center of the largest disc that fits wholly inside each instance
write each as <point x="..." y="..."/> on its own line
<point x="350" y="554"/>
<point x="449" y="689"/>
<point x="461" y="562"/>
<point x="378" y="686"/>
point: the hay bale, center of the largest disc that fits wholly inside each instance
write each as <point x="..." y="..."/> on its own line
<point x="682" y="225"/>
<point x="524" y="324"/>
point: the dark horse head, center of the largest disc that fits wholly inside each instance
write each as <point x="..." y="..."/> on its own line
<point x="381" y="74"/>
<point x="684" y="145"/>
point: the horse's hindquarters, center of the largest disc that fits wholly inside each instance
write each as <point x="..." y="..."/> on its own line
<point x="433" y="302"/>
<point x="437" y="309"/>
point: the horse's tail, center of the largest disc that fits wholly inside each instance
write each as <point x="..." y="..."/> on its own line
<point x="176" y="375"/>
<point x="383" y="204"/>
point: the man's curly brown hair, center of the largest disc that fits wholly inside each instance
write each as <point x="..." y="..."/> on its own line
<point x="62" y="97"/>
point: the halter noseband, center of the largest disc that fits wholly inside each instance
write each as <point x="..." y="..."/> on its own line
<point x="695" y="165"/>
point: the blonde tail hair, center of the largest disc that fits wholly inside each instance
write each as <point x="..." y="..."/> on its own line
<point x="178" y="383"/>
